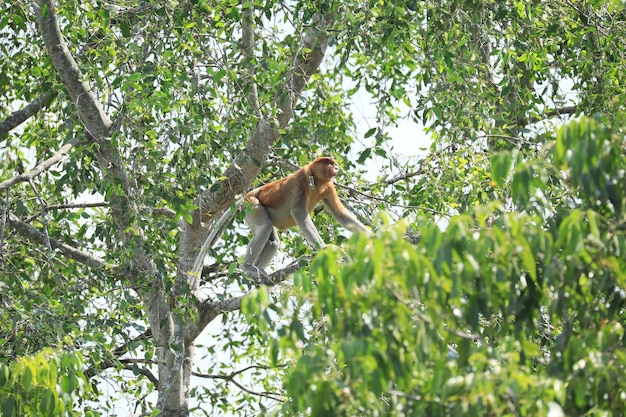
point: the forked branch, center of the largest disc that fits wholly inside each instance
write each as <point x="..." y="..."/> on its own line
<point x="210" y="309"/>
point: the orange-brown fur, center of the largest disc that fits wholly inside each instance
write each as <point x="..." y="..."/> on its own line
<point x="279" y="195"/>
<point x="286" y="203"/>
<point x="281" y="204"/>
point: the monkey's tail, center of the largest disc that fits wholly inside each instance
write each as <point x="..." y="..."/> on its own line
<point x="216" y="232"/>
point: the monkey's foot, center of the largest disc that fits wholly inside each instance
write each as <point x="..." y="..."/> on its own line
<point x="258" y="275"/>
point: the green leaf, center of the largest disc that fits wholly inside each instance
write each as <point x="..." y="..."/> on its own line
<point x="125" y="28"/>
<point x="217" y="77"/>
<point x="187" y="216"/>
<point x="9" y="406"/>
<point x="528" y="260"/>
<point x="370" y="132"/>
<point x="27" y="377"/>
<point x="48" y="402"/>
<point x="5" y="374"/>
<point x="500" y="167"/>
<point x="363" y="156"/>
<point x="68" y="383"/>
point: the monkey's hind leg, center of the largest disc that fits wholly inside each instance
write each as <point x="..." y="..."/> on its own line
<point x="268" y="252"/>
<point x="262" y="246"/>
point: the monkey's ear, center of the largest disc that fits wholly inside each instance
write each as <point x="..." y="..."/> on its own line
<point x="312" y="182"/>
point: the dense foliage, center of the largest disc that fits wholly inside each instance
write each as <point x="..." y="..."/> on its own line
<point x="494" y="283"/>
<point x="46" y="384"/>
<point x="501" y="313"/>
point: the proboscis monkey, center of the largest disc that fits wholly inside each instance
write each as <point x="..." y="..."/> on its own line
<point x="281" y="204"/>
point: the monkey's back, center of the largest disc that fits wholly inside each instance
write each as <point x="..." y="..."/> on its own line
<point x="281" y="196"/>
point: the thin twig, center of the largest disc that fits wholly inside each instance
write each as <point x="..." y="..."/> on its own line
<point x="42" y="167"/>
<point x="383" y="200"/>
<point x="55" y="207"/>
<point x="231" y="378"/>
<point x="128" y="365"/>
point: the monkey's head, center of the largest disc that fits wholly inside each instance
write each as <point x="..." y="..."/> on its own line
<point x="323" y="168"/>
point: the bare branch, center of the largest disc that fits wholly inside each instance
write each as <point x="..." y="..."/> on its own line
<point x="117" y="352"/>
<point x="556" y="112"/>
<point x="71" y="252"/>
<point x="164" y="211"/>
<point x="396" y="393"/>
<point x="159" y="211"/>
<point x="372" y="197"/>
<point x="127" y="364"/>
<point x="142" y="371"/>
<point x="281" y="275"/>
<point x="43" y="166"/>
<point x="55" y="207"/>
<point x="404" y="176"/>
<point x="231" y="378"/>
<point x="561" y="111"/>
<point x="20" y="116"/>
<point x="124" y="348"/>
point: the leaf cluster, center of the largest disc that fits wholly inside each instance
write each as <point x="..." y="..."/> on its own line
<point x="48" y="383"/>
<point x="499" y="313"/>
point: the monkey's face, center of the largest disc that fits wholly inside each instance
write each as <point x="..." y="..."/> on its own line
<point x="331" y="170"/>
<point x="324" y="168"/>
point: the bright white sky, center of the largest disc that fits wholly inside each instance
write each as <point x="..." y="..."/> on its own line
<point x="407" y="137"/>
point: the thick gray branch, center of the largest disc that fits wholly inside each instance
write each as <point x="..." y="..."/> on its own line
<point x="556" y="112"/>
<point x="247" y="40"/>
<point x="245" y="168"/>
<point x="89" y="109"/>
<point x="560" y="111"/>
<point x="310" y="55"/>
<point x="71" y="252"/>
<point x="20" y="116"/>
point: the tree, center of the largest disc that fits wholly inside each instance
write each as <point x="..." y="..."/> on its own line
<point x="121" y="120"/>
<point x="126" y="126"/>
